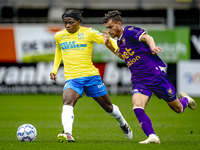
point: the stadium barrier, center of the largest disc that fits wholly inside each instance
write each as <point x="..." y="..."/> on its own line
<point x="28" y="50"/>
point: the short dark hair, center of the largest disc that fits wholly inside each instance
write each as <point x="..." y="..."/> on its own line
<point x="74" y="13"/>
<point x="115" y="15"/>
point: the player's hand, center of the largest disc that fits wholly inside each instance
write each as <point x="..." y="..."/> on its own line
<point x="118" y="52"/>
<point x="53" y="76"/>
<point x="106" y="37"/>
<point x="155" y="50"/>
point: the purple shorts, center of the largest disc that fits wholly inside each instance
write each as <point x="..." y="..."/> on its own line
<point x="161" y="86"/>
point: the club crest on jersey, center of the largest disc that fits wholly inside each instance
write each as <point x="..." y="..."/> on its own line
<point x="123" y="40"/>
<point x="81" y="35"/>
<point x="170" y="92"/>
<point x="131" y="28"/>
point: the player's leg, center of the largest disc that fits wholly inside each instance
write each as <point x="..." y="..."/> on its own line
<point x="105" y="102"/>
<point x="192" y="104"/>
<point x="179" y="105"/>
<point x="96" y="89"/>
<point x="163" y="88"/>
<point x="70" y="98"/>
<point x="71" y="93"/>
<point x="139" y="102"/>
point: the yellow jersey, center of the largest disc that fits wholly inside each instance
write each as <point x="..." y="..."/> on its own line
<point x="76" y="51"/>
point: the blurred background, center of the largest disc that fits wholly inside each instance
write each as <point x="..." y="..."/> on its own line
<point x="27" y="47"/>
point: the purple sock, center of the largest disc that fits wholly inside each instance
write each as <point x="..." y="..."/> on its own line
<point x="144" y="121"/>
<point x="184" y="101"/>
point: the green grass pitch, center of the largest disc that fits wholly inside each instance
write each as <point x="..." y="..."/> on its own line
<point x="93" y="128"/>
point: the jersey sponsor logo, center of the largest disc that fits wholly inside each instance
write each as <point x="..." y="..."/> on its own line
<point x="72" y="46"/>
<point x="129" y="53"/>
<point x="99" y="86"/>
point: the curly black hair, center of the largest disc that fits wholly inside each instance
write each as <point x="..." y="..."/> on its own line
<point x="115" y="15"/>
<point x="74" y="13"/>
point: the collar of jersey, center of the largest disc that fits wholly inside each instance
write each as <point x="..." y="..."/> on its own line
<point x="121" y="35"/>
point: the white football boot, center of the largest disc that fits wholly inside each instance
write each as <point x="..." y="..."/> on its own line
<point x="192" y="104"/>
<point x="127" y="131"/>
<point x="151" y="139"/>
<point x="64" y="138"/>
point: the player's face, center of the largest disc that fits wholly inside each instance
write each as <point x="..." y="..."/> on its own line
<point x="71" y="24"/>
<point x="113" y="28"/>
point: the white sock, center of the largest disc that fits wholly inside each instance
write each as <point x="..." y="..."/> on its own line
<point x="67" y="117"/>
<point x="118" y="116"/>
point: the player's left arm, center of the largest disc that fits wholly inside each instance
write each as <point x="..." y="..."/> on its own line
<point x="111" y="44"/>
<point x="150" y="41"/>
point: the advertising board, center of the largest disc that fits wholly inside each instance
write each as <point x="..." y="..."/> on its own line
<point x="188" y="77"/>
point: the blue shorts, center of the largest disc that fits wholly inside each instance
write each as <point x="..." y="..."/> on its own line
<point x="161" y="86"/>
<point x="92" y="86"/>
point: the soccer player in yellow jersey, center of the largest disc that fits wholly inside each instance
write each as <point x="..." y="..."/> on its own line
<point x="74" y="45"/>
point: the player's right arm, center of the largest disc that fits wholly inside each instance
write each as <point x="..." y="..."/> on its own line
<point x="111" y="44"/>
<point x="57" y="60"/>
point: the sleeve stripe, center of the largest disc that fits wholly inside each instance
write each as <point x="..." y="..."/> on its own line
<point x="141" y="35"/>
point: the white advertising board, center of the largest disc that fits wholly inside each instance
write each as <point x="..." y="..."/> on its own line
<point x="35" y="42"/>
<point x="188" y="77"/>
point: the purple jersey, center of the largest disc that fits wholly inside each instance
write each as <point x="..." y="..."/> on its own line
<point x="143" y="65"/>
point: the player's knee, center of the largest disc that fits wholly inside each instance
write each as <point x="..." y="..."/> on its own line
<point x="65" y="102"/>
<point x="137" y="105"/>
<point x="68" y="101"/>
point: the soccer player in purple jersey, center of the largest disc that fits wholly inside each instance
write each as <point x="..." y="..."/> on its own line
<point x="139" y="51"/>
